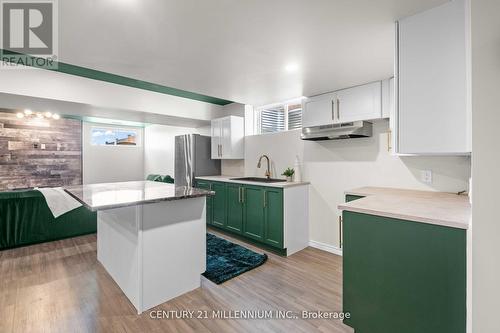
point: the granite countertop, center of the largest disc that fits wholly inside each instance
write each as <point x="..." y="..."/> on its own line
<point x="230" y="179"/>
<point x="114" y="195"/>
<point x="440" y="208"/>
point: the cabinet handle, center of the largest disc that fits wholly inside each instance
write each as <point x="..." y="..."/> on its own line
<point x="338" y="109"/>
<point x="220" y="150"/>
<point x="389" y="140"/>
<point x="265" y="199"/>
<point x="340" y="231"/>
<point x="242" y="195"/>
<point x="333" y="110"/>
<point x="218" y="147"/>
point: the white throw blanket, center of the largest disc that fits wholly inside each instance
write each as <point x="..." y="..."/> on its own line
<point x="58" y="200"/>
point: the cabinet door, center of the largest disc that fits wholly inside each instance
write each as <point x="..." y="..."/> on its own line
<point x="236" y="139"/>
<point x="273" y="217"/>
<point x="225" y="141"/>
<point x="359" y="103"/>
<point x="384" y="256"/>
<point x="206" y="185"/>
<point x="234" y="218"/>
<point x="219" y="204"/>
<point x="253" y="212"/>
<point x="432" y="83"/>
<point x="216" y="138"/>
<point x="318" y="110"/>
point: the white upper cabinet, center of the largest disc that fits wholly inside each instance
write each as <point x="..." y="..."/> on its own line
<point x="359" y="103"/>
<point x="228" y="136"/>
<point x="216" y="132"/>
<point x="318" y="110"/>
<point x="347" y="105"/>
<point x="432" y="110"/>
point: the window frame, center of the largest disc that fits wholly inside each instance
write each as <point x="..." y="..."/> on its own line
<point x="285" y="105"/>
<point x="138" y="135"/>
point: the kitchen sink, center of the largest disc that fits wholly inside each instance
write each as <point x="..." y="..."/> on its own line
<point x="260" y="180"/>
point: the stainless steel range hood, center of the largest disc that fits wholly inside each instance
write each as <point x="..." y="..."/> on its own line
<point x="355" y="129"/>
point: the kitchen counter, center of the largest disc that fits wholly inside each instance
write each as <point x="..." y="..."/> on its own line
<point x="151" y="237"/>
<point x="113" y="195"/>
<point x="439" y="208"/>
<point x="229" y="179"/>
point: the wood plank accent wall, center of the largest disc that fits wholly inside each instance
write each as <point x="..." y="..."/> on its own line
<point x="39" y="152"/>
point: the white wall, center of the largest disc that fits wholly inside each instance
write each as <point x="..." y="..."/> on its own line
<point x="335" y="166"/>
<point x="103" y="164"/>
<point x="159" y="149"/>
<point x="485" y="165"/>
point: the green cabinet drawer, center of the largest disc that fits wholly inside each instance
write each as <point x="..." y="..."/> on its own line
<point x="403" y="276"/>
<point x="234" y="218"/>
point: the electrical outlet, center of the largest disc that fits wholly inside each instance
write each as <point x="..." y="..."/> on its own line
<point x="42" y="146"/>
<point x="426" y="176"/>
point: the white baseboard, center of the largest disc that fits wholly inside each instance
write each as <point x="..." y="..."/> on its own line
<point x="326" y="247"/>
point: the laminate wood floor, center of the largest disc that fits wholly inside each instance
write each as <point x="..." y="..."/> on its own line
<point x="61" y="287"/>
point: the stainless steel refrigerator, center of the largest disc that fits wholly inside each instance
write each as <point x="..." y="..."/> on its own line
<point x="193" y="158"/>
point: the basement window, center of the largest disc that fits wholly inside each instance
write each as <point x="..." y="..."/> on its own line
<point x="279" y="117"/>
<point x="102" y="136"/>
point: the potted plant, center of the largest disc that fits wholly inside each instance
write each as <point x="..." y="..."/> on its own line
<point x="288" y="173"/>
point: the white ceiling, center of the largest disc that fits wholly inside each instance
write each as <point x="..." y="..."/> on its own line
<point x="236" y="49"/>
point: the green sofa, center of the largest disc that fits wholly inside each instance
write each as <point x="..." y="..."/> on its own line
<point x="159" y="178"/>
<point x="26" y="219"/>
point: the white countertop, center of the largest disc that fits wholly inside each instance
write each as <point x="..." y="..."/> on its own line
<point x="440" y="208"/>
<point x="229" y="179"/>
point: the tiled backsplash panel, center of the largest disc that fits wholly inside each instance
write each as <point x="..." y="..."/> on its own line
<point x="39" y="152"/>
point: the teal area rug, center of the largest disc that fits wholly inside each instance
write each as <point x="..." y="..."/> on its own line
<point x="225" y="260"/>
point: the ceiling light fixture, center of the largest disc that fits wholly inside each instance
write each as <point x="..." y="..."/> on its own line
<point x="292" y="67"/>
<point x="39" y="115"/>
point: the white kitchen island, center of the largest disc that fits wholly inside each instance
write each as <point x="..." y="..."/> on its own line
<point x="150" y="237"/>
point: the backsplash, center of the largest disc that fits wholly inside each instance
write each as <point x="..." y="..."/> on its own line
<point x="39" y="152"/>
<point x="233" y="167"/>
<point x="335" y="166"/>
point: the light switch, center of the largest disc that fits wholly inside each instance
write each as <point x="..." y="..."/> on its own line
<point x="42" y="146"/>
<point x="426" y="176"/>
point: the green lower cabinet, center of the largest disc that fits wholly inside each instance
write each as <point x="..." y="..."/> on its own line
<point x="206" y="185"/>
<point x="253" y="212"/>
<point x="403" y="276"/>
<point x="350" y="197"/>
<point x="273" y="216"/>
<point x="234" y="218"/>
<point x="219" y="204"/>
